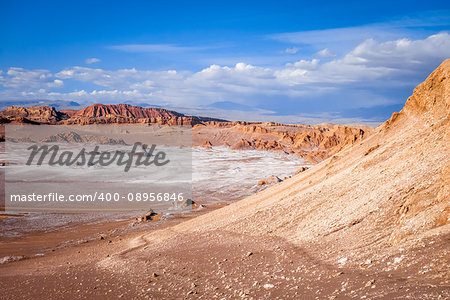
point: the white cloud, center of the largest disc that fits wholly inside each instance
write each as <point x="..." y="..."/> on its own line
<point x="145" y="85"/>
<point x="291" y="50"/>
<point x="369" y="67"/>
<point x="304" y="64"/>
<point x="71" y="95"/>
<point x="402" y="53"/>
<point x="55" y="83"/>
<point x="19" y="78"/>
<point x="92" y="60"/>
<point x="383" y="31"/>
<point x="342" y="40"/>
<point x="325" y="53"/>
<point x="122" y="78"/>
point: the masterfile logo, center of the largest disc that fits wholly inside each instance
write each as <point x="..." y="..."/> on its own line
<point x="100" y="167"/>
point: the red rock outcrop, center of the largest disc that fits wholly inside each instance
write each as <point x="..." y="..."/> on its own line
<point x="313" y="143"/>
<point x="270" y="180"/>
<point x="99" y="114"/>
<point x="430" y="100"/>
<point x="242" y="144"/>
<point x="126" y="114"/>
<point x="206" y="145"/>
<point x="37" y="114"/>
<point x="302" y="169"/>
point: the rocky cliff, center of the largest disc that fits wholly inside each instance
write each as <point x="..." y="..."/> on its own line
<point x="36" y="115"/>
<point x="97" y="114"/>
<point x="126" y="114"/>
<point x="313" y="143"/>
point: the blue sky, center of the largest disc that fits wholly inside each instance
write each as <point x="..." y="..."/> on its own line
<point x="286" y="61"/>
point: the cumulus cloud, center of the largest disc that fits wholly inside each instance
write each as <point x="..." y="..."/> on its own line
<point x="20" y="78"/>
<point x="122" y="78"/>
<point x="92" y="60"/>
<point x="402" y="53"/>
<point x="325" y="53"/>
<point x="55" y="83"/>
<point x="291" y="50"/>
<point x="120" y="95"/>
<point x="367" y="69"/>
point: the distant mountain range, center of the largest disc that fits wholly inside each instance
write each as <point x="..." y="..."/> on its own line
<point x="99" y="114"/>
<point x="313" y="143"/>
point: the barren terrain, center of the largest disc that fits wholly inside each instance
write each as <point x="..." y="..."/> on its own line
<point x="371" y="221"/>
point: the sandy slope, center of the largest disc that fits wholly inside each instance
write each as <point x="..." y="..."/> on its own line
<point x="389" y="189"/>
<point x="378" y="203"/>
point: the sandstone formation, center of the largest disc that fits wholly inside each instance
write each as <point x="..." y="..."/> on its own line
<point x="270" y="180"/>
<point x="127" y="114"/>
<point x="312" y="143"/>
<point x="302" y="169"/>
<point x="33" y="115"/>
<point x="206" y="145"/>
<point x="98" y="114"/>
<point x="150" y="215"/>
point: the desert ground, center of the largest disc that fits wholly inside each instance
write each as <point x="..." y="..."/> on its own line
<point x="370" y="221"/>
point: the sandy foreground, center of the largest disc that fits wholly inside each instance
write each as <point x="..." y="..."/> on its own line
<point x="370" y="222"/>
<point x="153" y="261"/>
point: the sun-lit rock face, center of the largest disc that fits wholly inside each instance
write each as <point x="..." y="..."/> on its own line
<point x="37" y="114"/>
<point x="312" y="143"/>
<point x="125" y="113"/>
<point x="430" y="101"/>
<point x="97" y="114"/>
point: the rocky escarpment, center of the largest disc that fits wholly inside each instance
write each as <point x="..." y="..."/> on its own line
<point x="99" y="114"/>
<point x="430" y="102"/>
<point x="313" y="143"/>
<point x="127" y="114"/>
<point x="32" y="115"/>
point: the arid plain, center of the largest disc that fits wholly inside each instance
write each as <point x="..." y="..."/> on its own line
<point x="368" y="218"/>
